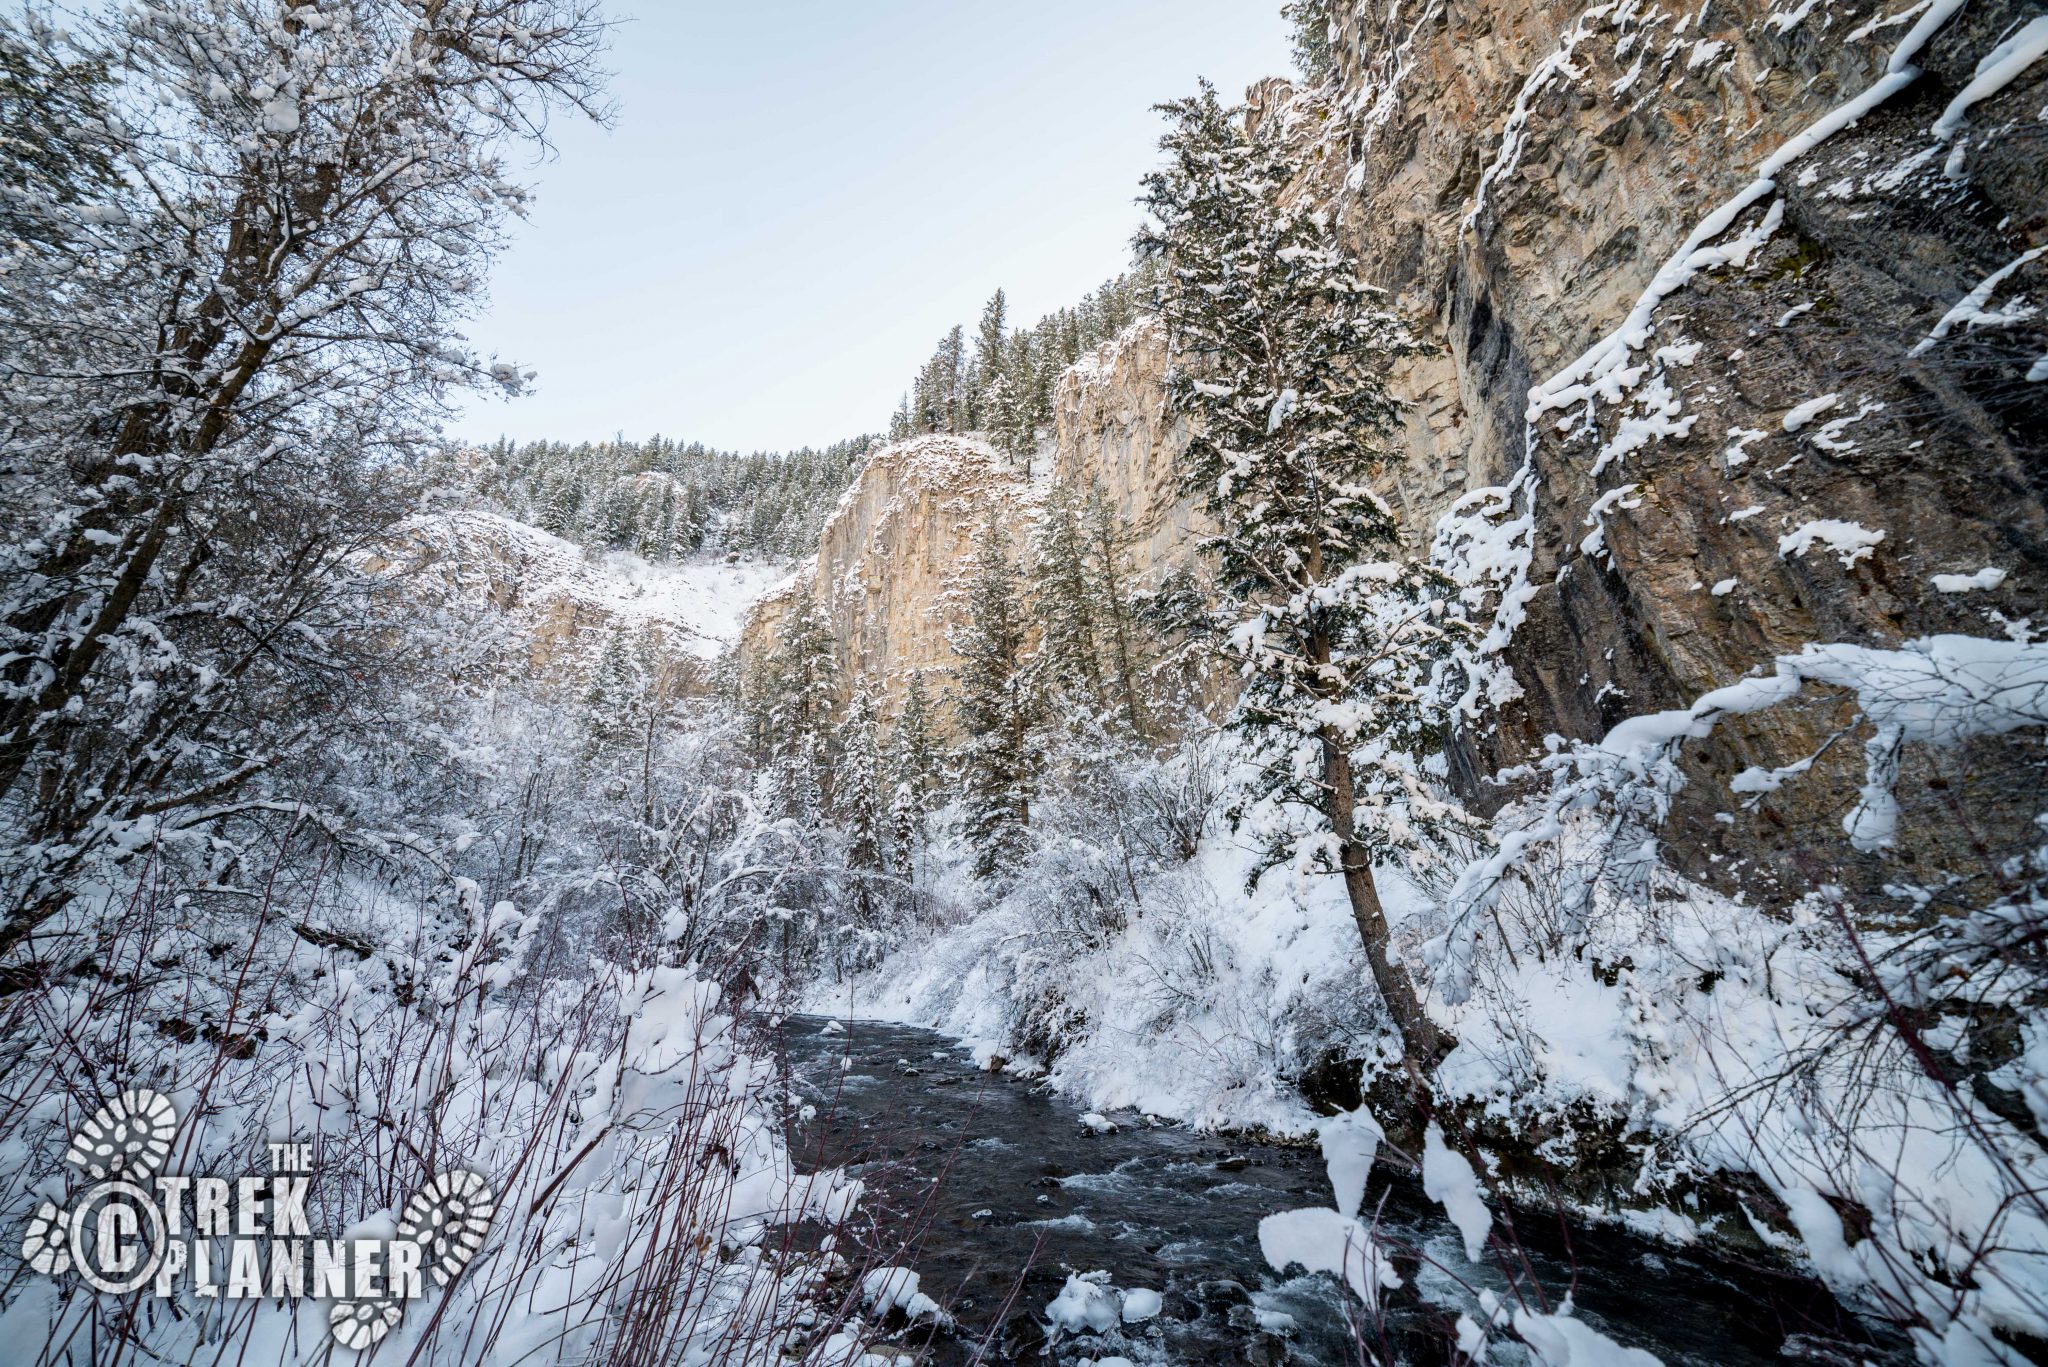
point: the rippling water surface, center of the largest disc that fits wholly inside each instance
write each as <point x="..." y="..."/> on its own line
<point x="1001" y="1192"/>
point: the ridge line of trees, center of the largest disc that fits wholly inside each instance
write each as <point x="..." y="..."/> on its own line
<point x="664" y="499"/>
<point x="1003" y="385"/>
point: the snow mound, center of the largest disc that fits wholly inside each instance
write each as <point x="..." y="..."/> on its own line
<point x="1086" y="1304"/>
<point x="1448" y="1179"/>
<point x="896" y="1288"/>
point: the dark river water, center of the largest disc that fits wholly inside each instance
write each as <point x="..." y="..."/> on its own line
<point x="994" y="1191"/>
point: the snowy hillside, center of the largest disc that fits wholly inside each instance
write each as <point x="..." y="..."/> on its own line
<point x="567" y="601"/>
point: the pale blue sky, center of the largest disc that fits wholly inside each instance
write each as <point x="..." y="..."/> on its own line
<point x="800" y="196"/>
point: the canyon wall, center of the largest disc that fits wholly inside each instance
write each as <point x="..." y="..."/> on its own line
<point x="892" y="562"/>
<point x="1113" y="430"/>
<point x="892" y="559"/>
<point x="1773" y="275"/>
<point x="1720" y="243"/>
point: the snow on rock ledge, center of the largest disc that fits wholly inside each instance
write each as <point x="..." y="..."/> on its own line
<point x="567" y="605"/>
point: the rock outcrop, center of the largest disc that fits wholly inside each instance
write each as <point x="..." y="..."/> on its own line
<point x="1114" y="431"/>
<point x="558" y="607"/>
<point x="891" y="558"/>
<point x="1721" y="242"/>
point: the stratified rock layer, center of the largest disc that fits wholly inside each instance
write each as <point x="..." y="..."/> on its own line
<point x="1776" y="389"/>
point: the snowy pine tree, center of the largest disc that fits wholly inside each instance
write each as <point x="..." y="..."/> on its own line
<point x="611" y="698"/>
<point x="1281" y="355"/>
<point x="803" y="679"/>
<point x="994" y="708"/>
<point x="1017" y="430"/>
<point x="806" y="667"/>
<point x="1066" y="607"/>
<point x="914" y="757"/>
<point x="938" y="400"/>
<point x="1005" y="389"/>
<point x="988" y="361"/>
<point x="1001" y="416"/>
<point x="906" y="831"/>
<point x="912" y="769"/>
<point x="1313" y="22"/>
<point x="858" y="790"/>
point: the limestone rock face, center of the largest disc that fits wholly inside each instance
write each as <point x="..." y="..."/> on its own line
<point x="893" y="559"/>
<point x="894" y="555"/>
<point x="1113" y="430"/>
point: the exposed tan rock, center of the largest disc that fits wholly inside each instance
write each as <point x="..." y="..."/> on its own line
<point x="1113" y="430"/>
<point x="891" y="558"/>
<point x="1626" y="125"/>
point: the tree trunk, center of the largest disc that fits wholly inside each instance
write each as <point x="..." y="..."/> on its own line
<point x="1423" y="1045"/>
<point x="20" y="740"/>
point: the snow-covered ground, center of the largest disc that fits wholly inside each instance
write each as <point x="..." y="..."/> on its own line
<point x="699" y="605"/>
<point x="709" y="598"/>
<point x="1200" y="1009"/>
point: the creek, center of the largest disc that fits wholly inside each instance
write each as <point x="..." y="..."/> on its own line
<point x="994" y="1190"/>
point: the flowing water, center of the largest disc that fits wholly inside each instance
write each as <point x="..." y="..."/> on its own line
<point x="994" y="1191"/>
